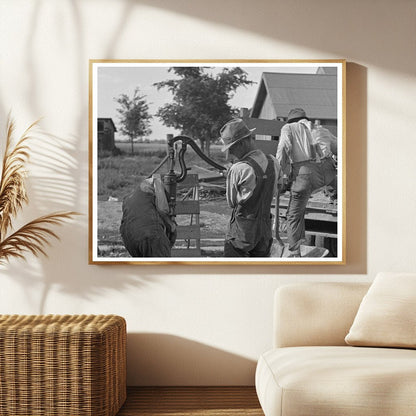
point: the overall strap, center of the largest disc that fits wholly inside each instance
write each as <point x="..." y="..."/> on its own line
<point x="260" y="177"/>
<point x="254" y="203"/>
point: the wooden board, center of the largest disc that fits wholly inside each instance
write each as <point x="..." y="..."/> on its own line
<point x="187" y="207"/>
<point x="188" y="231"/>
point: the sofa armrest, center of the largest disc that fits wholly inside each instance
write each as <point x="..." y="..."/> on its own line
<point x="308" y="314"/>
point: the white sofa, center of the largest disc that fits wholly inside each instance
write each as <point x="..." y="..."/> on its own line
<point x="311" y="370"/>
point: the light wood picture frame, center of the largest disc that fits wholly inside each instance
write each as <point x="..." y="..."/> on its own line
<point x="123" y="155"/>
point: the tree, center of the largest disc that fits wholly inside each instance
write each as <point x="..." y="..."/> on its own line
<point x="200" y="101"/>
<point x="134" y="116"/>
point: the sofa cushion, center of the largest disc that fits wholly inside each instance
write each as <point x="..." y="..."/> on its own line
<point x="304" y="381"/>
<point x="315" y="314"/>
<point x="387" y="314"/>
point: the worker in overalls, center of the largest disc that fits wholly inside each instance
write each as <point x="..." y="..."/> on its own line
<point x="146" y="227"/>
<point x="307" y="167"/>
<point x="251" y="185"/>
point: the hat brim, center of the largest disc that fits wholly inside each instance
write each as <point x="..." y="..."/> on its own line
<point x="289" y="120"/>
<point x="227" y="146"/>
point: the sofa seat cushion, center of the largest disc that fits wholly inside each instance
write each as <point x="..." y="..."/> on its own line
<point x="342" y="380"/>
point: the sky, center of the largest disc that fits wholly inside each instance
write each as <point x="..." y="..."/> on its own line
<point x="113" y="79"/>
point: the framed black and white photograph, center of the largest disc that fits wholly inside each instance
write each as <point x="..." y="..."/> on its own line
<point x="217" y="162"/>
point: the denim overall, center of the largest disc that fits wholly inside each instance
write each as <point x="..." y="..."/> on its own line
<point x="142" y="228"/>
<point x="250" y="229"/>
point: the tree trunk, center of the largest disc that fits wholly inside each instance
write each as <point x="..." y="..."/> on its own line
<point x="132" y="145"/>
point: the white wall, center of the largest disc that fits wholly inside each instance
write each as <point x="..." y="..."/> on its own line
<point x="204" y="324"/>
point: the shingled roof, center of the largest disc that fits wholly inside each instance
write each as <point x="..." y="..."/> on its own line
<point x="315" y="93"/>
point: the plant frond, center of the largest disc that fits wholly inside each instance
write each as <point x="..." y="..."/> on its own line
<point x="12" y="183"/>
<point x="33" y="237"/>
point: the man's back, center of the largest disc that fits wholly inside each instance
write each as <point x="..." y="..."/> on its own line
<point x="296" y="141"/>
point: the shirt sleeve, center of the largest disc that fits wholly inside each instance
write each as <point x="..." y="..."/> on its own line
<point x="284" y="147"/>
<point x="278" y="175"/>
<point x="241" y="182"/>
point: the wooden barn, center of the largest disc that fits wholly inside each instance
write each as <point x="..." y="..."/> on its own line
<point x="106" y="129"/>
<point x="316" y="93"/>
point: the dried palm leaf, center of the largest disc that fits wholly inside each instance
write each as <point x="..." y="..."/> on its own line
<point x="33" y="237"/>
<point x="12" y="183"/>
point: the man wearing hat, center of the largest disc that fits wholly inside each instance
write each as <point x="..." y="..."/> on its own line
<point x="310" y="170"/>
<point x="251" y="185"/>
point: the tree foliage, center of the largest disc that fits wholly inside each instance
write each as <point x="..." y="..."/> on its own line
<point x="134" y="116"/>
<point x="200" y="104"/>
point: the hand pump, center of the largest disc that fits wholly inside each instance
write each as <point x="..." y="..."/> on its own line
<point x="171" y="178"/>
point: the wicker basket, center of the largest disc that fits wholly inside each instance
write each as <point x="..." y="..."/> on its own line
<point x="71" y="365"/>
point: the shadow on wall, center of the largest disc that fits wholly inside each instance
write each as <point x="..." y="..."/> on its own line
<point x="60" y="178"/>
<point x="335" y="27"/>
<point x="60" y="182"/>
<point x="73" y="145"/>
<point x="356" y="168"/>
<point x="53" y="187"/>
<point x="161" y="359"/>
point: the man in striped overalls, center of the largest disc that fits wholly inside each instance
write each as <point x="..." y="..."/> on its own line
<point x="251" y="186"/>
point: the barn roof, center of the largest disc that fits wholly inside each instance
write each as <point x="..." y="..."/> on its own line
<point x="315" y="93"/>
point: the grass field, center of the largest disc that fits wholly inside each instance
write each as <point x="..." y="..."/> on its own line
<point x="119" y="175"/>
